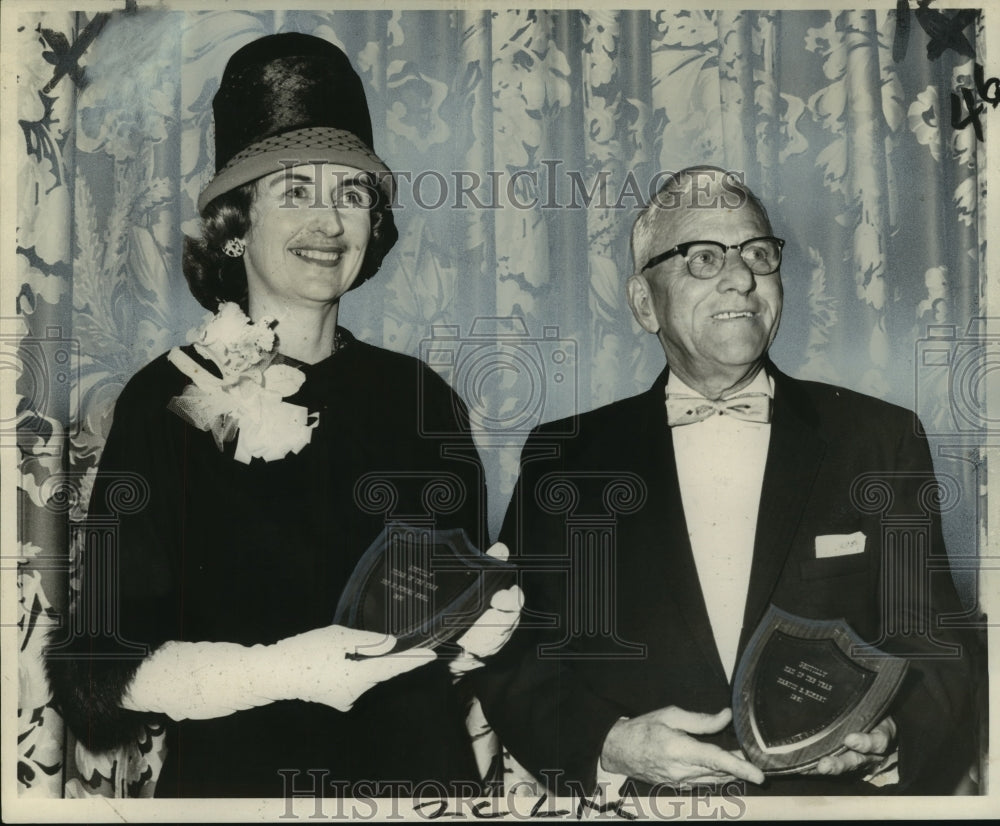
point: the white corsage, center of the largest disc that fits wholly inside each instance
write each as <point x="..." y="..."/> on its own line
<point x="248" y="399"/>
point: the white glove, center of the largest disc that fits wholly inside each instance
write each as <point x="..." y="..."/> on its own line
<point x="491" y="631"/>
<point x="321" y="673"/>
<point x="201" y="680"/>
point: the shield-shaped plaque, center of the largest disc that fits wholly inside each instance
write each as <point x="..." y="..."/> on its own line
<point x="423" y="586"/>
<point x="802" y="685"/>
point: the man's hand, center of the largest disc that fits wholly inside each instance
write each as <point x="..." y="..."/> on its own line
<point x="658" y="748"/>
<point x="322" y="665"/>
<point x="863" y="750"/>
<point x="491" y="631"/>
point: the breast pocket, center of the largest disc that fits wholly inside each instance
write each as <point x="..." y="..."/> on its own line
<point x="835" y="566"/>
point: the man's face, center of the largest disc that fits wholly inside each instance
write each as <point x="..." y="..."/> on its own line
<point x="714" y="330"/>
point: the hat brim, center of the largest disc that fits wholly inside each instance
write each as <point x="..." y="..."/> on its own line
<point x="301" y="146"/>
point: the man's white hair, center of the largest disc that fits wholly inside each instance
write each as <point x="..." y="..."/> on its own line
<point x="674" y="195"/>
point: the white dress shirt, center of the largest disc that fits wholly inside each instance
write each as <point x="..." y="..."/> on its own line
<point x="720" y="467"/>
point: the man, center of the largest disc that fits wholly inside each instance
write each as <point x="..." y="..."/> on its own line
<point x="737" y="487"/>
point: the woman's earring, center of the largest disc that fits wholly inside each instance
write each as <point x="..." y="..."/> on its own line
<point x="234" y="247"/>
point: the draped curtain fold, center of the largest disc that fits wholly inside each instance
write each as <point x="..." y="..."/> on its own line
<point x="525" y="141"/>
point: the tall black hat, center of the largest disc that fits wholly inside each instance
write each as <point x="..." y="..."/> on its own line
<point x="289" y="98"/>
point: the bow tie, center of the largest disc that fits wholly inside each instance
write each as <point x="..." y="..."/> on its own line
<point x="750" y="407"/>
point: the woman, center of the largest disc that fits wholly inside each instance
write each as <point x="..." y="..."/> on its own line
<point x="267" y="449"/>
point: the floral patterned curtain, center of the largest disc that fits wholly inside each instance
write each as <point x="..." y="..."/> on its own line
<point x="555" y="123"/>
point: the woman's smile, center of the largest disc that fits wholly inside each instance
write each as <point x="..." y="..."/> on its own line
<point x="308" y="236"/>
<point x="320" y="257"/>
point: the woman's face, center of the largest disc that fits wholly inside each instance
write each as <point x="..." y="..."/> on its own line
<point x="309" y="228"/>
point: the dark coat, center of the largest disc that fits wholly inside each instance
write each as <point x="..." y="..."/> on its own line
<point x="838" y="462"/>
<point x="252" y="553"/>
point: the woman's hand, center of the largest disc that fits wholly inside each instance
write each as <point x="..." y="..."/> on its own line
<point x="335" y="665"/>
<point x="491" y="631"/>
<point x="202" y="680"/>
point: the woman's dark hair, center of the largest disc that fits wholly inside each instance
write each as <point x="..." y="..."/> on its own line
<point x="214" y="277"/>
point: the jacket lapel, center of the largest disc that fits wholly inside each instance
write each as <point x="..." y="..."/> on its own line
<point x="670" y="532"/>
<point x="793" y="459"/>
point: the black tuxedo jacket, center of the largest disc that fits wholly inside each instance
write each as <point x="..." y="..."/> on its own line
<point x="615" y="623"/>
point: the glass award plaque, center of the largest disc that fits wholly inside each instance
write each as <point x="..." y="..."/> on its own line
<point x="423" y="586"/>
<point x="802" y="685"/>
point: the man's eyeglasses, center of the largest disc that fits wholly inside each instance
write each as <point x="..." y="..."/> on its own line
<point x="705" y="259"/>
